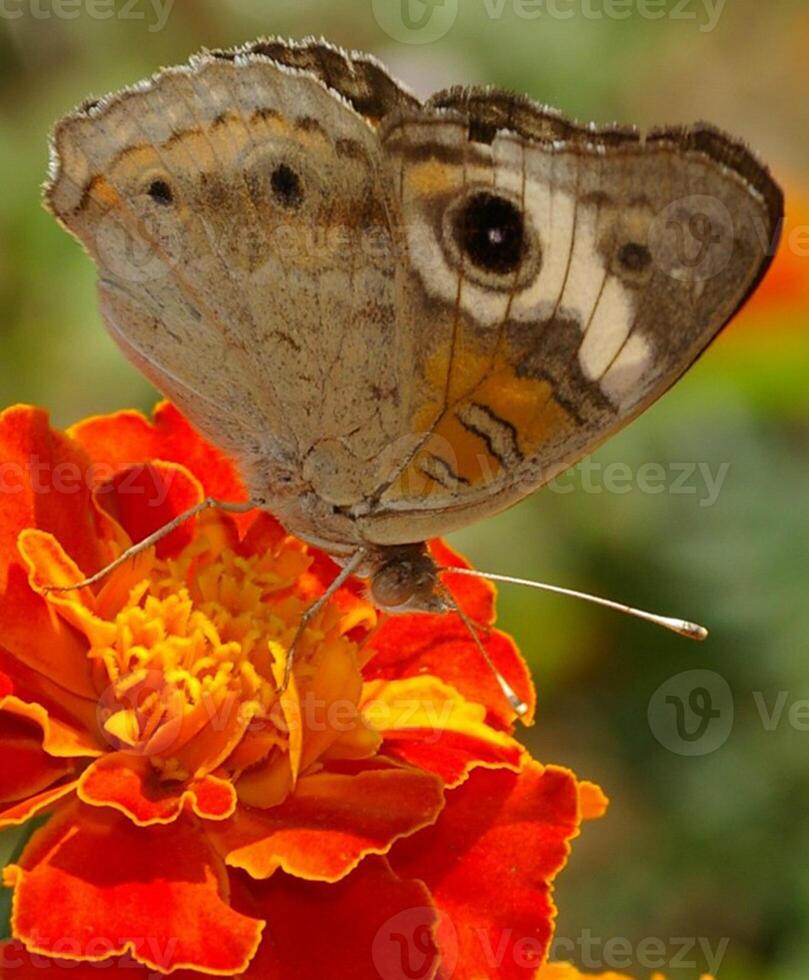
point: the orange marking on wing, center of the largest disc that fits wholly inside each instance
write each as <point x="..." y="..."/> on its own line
<point x="105" y="193"/>
<point x="525" y="404"/>
<point x="431" y="177"/>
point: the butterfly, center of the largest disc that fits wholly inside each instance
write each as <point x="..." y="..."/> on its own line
<point x="400" y="317"/>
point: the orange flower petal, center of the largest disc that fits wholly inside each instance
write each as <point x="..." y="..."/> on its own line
<point x="369" y="925"/>
<point x="27" y="769"/>
<point x="40" y="640"/>
<point x="476" y="595"/>
<point x="488" y="863"/>
<point x="593" y="802"/>
<point x="426" y="723"/>
<point x="160" y="895"/>
<point x="407" y="646"/>
<point x="62" y="738"/>
<point x="126" y="439"/>
<point x="21" y="812"/>
<point x="566" y="971"/>
<point x="129" y="784"/>
<point x="331" y="821"/>
<point x="16" y="963"/>
<point x="144" y="498"/>
<point x="46" y="484"/>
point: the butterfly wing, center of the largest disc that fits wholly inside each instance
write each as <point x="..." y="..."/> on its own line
<point x="235" y="210"/>
<point x="560" y="278"/>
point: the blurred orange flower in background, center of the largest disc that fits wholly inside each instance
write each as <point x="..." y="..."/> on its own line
<point x="378" y="812"/>
<point x="785" y="288"/>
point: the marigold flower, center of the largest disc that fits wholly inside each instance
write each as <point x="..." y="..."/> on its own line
<point x="378" y="812"/>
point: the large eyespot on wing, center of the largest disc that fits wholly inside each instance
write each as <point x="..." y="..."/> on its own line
<point x="642" y="250"/>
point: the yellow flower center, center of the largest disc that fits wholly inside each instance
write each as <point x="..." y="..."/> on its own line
<point x="190" y="664"/>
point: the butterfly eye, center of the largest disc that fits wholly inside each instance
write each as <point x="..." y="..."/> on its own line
<point x="491" y="233"/>
<point x="160" y="192"/>
<point x="287" y="187"/>
<point x="392" y="585"/>
<point x="635" y="257"/>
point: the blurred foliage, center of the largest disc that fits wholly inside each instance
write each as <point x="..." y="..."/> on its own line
<point x="713" y="847"/>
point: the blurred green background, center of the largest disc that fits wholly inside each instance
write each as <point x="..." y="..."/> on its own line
<point x="705" y="851"/>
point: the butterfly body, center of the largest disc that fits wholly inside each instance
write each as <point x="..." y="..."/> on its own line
<point x="401" y="317"/>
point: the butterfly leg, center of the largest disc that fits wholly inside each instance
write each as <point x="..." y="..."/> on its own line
<point x="346" y="572"/>
<point x="158" y="535"/>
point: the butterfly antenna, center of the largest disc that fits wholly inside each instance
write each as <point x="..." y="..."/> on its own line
<point x="682" y="627"/>
<point x="516" y="702"/>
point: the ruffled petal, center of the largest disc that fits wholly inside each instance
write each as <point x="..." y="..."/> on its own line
<point x="489" y="862"/>
<point x="59" y="737"/>
<point x="46" y="483"/>
<point x="27" y="769"/>
<point x="144" y="498"/>
<point x="160" y="895"/>
<point x="427" y="724"/>
<point x="566" y="971"/>
<point x="21" y="812"/>
<point x="405" y="646"/>
<point x="17" y="963"/>
<point x="369" y="925"/>
<point x="593" y="801"/>
<point x="128" y="783"/>
<point x="330" y="823"/>
<point x="440" y="645"/>
<point x="475" y="595"/>
<point x="125" y="439"/>
<point x="38" y="639"/>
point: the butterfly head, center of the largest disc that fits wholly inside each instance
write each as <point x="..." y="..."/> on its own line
<point x="405" y="579"/>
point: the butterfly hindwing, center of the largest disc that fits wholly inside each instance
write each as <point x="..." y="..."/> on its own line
<point x="563" y="278"/>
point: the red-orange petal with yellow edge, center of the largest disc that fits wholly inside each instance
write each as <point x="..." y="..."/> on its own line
<point x="33" y="636"/>
<point x="159" y="894"/>
<point x="128" y="783"/>
<point x="427" y="723"/>
<point x="128" y="438"/>
<point x="16" y="963"/>
<point x="62" y="737"/>
<point x="330" y="823"/>
<point x="440" y="645"/>
<point x="566" y="971"/>
<point x="475" y="595"/>
<point x="144" y="498"/>
<point x="593" y="801"/>
<point x="46" y="484"/>
<point x="26" y="769"/>
<point x="19" y="813"/>
<point x="489" y="862"/>
<point x="369" y="925"/>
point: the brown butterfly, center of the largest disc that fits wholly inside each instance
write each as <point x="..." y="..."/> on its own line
<point x="401" y="317"/>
